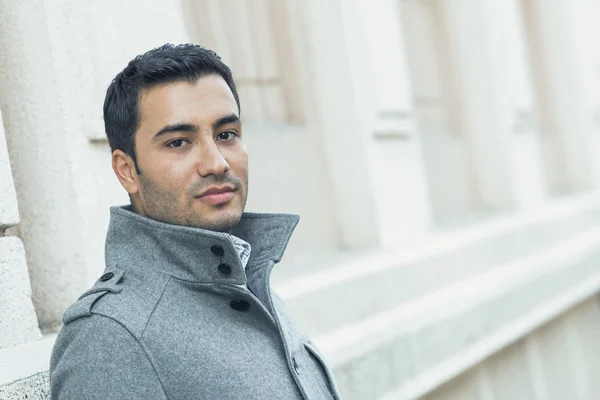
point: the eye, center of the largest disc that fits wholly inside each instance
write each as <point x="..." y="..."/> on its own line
<point x="227" y="135"/>
<point x="177" y="143"/>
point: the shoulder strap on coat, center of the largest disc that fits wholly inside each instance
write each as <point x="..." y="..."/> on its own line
<point x="108" y="282"/>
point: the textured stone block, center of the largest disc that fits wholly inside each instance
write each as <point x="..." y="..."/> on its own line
<point x="18" y="322"/>
<point x="9" y="212"/>
<point x="35" y="387"/>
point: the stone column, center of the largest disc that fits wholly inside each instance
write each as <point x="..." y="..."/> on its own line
<point x="560" y="86"/>
<point x="397" y="167"/>
<point x="56" y="61"/>
<point x="36" y="132"/>
<point x="496" y="108"/>
<point x="471" y="82"/>
<point x="512" y="101"/>
<point x="18" y="322"/>
<point x="334" y="111"/>
<point x="585" y="15"/>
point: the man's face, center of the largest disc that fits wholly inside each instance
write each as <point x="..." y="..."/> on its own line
<point x="193" y="162"/>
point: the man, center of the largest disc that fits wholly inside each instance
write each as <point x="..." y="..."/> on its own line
<point x="184" y="309"/>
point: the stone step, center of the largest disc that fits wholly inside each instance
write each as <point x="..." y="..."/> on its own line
<point x="353" y="290"/>
<point x="407" y="351"/>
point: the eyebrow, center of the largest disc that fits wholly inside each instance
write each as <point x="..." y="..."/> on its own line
<point x="228" y="119"/>
<point x="178" y="127"/>
<point x="185" y="127"/>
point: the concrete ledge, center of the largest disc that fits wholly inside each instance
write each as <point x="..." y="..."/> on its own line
<point x="351" y="340"/>
<point x="410" y="350"/>
<point x="26" y="360"/>
<point x="32" y="388"/>
<point x="483" y="349"/>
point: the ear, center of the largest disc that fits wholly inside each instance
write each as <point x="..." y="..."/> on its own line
<point x="125" y="170"/>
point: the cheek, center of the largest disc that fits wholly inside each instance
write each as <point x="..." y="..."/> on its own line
<point x="241" y="160"/>
<point x="237" y="160"/>
<point x="176" y="170"/>
<point x="242" y="169"/>
<point x="169" y="175"/>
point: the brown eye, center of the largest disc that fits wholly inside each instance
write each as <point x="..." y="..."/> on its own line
<point x="177" y="143"/>
<point x="228" y="135"/>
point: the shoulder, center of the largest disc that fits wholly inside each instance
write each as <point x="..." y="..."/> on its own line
<point x="100" y="339"/>
<point x="122" y="295"/>
<point x="97" y="357"/>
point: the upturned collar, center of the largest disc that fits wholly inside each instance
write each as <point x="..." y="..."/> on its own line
<point x="194" y="254"/>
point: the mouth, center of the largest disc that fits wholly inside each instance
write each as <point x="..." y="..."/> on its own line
<point x="217" y="195"/>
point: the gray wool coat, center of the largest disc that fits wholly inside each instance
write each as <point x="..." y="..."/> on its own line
<point x="176" y="316"/>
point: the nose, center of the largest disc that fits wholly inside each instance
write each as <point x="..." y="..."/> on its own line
<point x="211" y="161"/>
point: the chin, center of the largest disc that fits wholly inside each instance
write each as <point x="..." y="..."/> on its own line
<point x="220" y="221"/>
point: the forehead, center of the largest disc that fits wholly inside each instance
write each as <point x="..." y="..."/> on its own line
<point x="203" y="101"/>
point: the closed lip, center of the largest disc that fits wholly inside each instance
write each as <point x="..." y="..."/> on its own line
<point x="216" y="190"/>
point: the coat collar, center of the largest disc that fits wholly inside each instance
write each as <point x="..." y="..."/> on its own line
<point x="194" y="254"/>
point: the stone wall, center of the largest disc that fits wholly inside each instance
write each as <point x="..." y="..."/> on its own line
<point x="17" y="316"/>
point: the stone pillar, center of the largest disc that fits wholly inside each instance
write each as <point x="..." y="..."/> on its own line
<point x="560" y="84"/>
<point x="473" y="96"/>
<point x="396" y="159"/>
<point x="18" y="322"/>
<point x="585" y="15"/>
<point x="38" y="143"/>
<point x="496" y="108"/>
<point x="335" y="112"/>
<point x="437" y="102"/>
<point x="512" y="101"/>
<point x="56" y="61"/>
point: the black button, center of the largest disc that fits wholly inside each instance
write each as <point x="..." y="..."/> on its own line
<point x="295" y="364"/>
<point x="239" y="305"/>
<point x="107" y="276"/>
<point x="225" y="269"/>
<point x="217" y="250"/>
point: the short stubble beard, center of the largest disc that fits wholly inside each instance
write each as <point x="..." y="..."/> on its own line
<point x="162" y="203"/>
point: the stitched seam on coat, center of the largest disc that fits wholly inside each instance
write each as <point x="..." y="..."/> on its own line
<point x="148" y="357"/>
<point x="155" y="306"/>
<point x="281" y="332"/>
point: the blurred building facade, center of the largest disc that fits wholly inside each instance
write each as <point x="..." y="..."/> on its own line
<point x="443" y="156"/>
